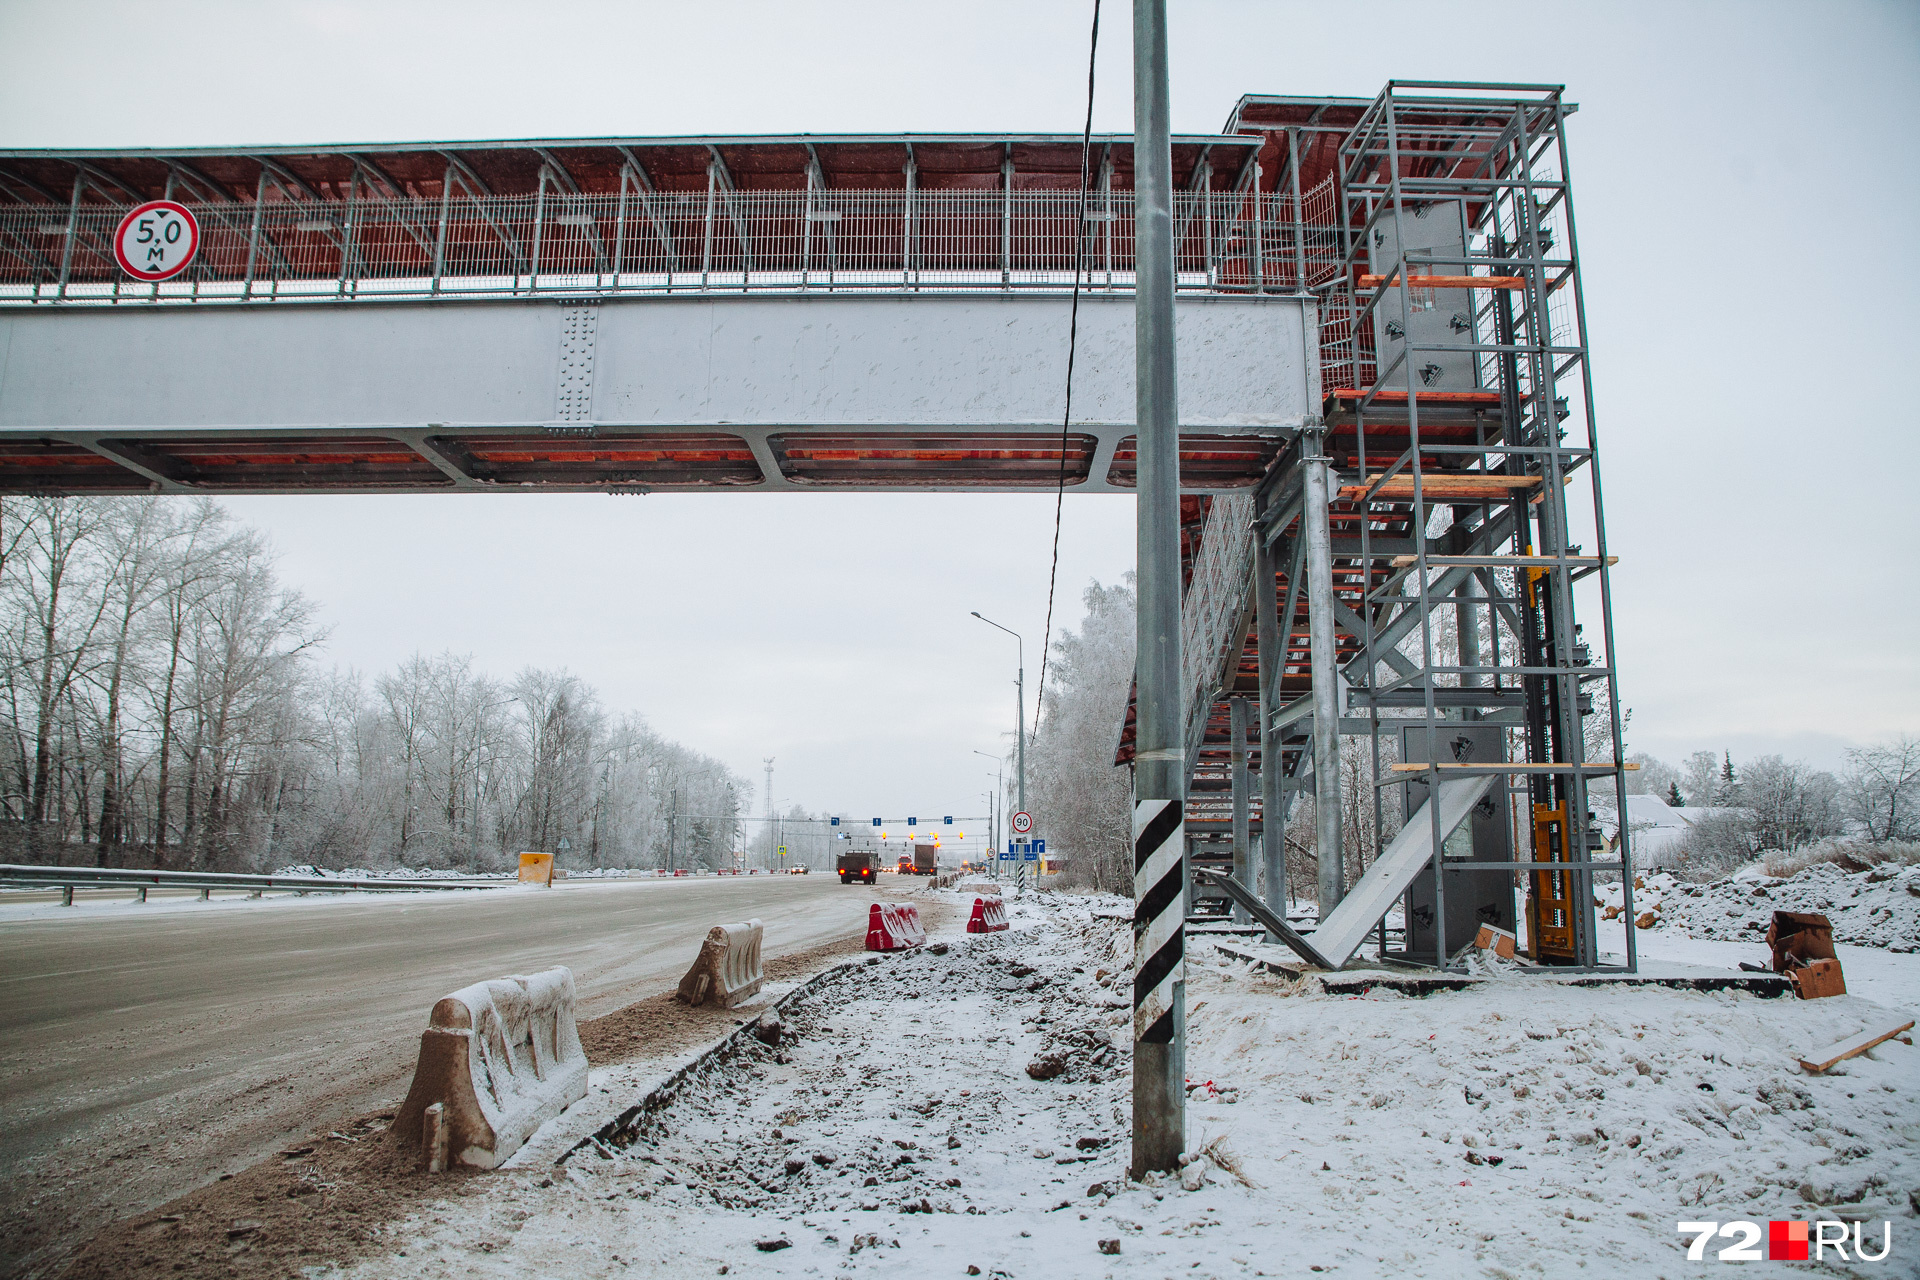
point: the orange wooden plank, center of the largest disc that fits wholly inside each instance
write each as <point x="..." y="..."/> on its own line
<point x="1450" y="282"/>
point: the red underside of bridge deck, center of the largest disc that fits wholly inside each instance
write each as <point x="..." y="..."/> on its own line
<point x="609" y="459"/>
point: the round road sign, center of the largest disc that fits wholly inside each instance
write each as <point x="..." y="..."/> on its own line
<point x="157" y="240"/>
<point x="1022" y="822"/>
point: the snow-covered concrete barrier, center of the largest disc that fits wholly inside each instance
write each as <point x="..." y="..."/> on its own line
<point x="894" y="926"/>
<point x="500" y="1058"/>
<point x="728" y="968"/>
<point x="989" y="915"/>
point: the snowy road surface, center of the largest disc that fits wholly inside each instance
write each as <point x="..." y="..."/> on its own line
<point x="149" y="1048"/>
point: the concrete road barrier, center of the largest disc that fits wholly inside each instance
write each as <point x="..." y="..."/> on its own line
<point x="498" y="1060"/>
<point x="728" y="968"/>
<point x="894" y="926"/>
<point x="989" y="915"/>
<point x="537" y="868"/>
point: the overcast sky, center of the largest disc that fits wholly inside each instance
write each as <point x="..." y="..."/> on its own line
<point x="1758" y="438"/>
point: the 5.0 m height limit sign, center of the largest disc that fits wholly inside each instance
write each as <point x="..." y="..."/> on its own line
<point x="156" y="241"/>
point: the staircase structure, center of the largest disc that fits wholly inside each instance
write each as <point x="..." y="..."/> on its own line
<point x="1448" y="494"/>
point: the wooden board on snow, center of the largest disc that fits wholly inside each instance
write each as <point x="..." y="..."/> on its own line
<point x="1851" y="1048"/>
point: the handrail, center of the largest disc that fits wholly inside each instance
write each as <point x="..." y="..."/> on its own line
<point x="470" y="244"/>
<point x="1268" y="918"/>
<point x="117" y="877"/>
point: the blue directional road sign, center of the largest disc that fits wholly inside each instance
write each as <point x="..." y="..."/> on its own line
<point x="1039" y="846"/>
<point x="1032" y="854"/>
<point x="911" y="821"/>
<point x="876" y="822"/>
<point x="836" y="822"/>
<point x="948" y="819"/>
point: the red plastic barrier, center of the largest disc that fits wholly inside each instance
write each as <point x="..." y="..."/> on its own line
<point x="989" y="916"/>
<point x="894" y="926"/>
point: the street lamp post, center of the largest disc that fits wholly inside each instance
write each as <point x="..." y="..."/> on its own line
<point x="1020" y="705"/>
<point x="993" y="824"/>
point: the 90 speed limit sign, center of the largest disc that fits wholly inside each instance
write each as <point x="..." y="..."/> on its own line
<point x="156" y="241"/>
<point x="1022" y="822"/>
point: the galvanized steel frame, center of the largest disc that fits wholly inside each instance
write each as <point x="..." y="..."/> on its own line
<point x="1521" y="152"/>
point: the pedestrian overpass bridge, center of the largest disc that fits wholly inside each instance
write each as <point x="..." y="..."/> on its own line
<point x="640" y="314"/>
<point x="1384" y="395"/>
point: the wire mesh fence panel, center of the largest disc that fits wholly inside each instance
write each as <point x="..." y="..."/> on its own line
<point x="1222" y="575"/>
<point x="1320" y="232"/>
<point x="1347" y="359"/>
<point x="957" y="238"/>
<point x="371" y="243"/>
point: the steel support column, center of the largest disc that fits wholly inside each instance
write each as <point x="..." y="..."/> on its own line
<point x="1242" y="803"/>
<point x="1273" y="660"/>
<point x="1326" y="673"/>
<point x="1159" y="776"/>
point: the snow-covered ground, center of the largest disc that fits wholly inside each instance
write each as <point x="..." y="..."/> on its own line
<point x="1878" y="907"/>
<point x="1511" y="1130"/>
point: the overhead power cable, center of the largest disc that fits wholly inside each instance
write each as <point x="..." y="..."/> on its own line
<point x="1073" y="338"/>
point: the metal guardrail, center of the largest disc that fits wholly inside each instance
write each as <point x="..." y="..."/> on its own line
<point x="67" y="879"/>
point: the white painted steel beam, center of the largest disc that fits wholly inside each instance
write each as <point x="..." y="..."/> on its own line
<point x="1349" y="923"/>
<point x="753" y="366"/>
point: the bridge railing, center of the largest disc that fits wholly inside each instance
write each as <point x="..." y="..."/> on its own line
<point x="464" y="246"/>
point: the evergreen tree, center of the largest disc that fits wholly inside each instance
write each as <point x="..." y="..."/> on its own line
<point x="1728" y="793"/>
<point x="1674" y="799"/>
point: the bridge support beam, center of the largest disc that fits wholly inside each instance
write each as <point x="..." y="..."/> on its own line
<point x="1242" y="803"/>
<point x="1273" y="660"/>
<point x="1326" y="672"/>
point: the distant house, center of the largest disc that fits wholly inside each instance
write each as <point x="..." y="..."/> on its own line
<point x="1655" y="828"/>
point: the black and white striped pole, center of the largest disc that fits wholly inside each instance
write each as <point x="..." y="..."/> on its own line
<point x="1159" y="774"/>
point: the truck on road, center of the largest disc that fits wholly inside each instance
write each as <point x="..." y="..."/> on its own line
<point x="859" y="862"/>
<point x="926" y="860"/>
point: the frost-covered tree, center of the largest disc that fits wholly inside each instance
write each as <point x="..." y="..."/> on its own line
<point x="1078" y="796"/>
<point x="1654" y="777"/>
<point x="1697" y="778"/>
<point x="1883" y="788"/>
<point x="161" y="704"/>
<point x="1792" y="804"/>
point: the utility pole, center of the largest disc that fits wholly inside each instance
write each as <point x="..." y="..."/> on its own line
<point x="769" y="760"/>
<point x="1159" y="772"/>
<point x="673" y="825"/>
